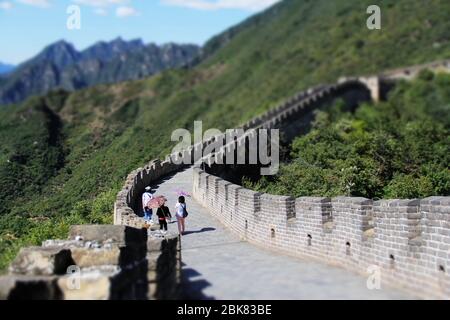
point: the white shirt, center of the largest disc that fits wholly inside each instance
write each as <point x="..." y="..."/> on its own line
<point x="179" y="207"/>
<point x="146" y="197"/>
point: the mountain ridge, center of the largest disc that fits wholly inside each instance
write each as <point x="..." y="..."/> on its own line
<point x="6" y="68"/>
<point x="61" y="66"/>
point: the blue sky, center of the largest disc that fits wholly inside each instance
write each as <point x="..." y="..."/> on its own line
<point x="27" y="26"/>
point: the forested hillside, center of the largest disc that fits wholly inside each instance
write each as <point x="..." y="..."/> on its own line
<point x="395" y="149"/>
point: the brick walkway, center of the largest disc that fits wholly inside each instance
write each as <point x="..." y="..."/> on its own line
<point x="218" y="265"/>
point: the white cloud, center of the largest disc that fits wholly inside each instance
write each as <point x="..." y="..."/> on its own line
<point x="101" y="11"/>
<point x="123" y="12"/>
<point x="250" y="5"/>
<point x="36" y="3"/>
<point x="5" y="5"/>
<point x="101" y="3"/>
<point x="123" y="7"/>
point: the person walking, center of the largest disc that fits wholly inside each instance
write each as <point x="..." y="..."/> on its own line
<point x="181" y="214"/>
<point x="163" y="214"/>
<point x="167" y="214"/>
<point x="146" y="197"/>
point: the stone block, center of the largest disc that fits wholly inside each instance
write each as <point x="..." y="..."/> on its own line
<point x="84" y="257"/>
<point x="42" y="261"/>
<point x="123" y="235"/>
<point x="25" y="287"/>
<point x="91" y="285"/>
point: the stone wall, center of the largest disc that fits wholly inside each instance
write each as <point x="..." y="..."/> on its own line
<point x="128" y="209"/>
<point x="287" y="117"/>
<point x="351" y="232"/>
<point x="109" y="262"/>
<point x="409" y="73"/>
<point x="292" y="117"/>
<point x="408" y="240"/>
<point x="350" y="88"/>
<point x="295" y="115"/>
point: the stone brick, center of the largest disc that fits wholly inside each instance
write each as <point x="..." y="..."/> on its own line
<point x="122" y="235"/>
<point x="42" y="261"/>
<point x="26" y="287"/>
<point x="84" y="257"/>
<point x="92" y="285"/>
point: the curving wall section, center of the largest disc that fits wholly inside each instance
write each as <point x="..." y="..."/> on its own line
<point x="292" y="118"/>
<point x="128" y="208"/>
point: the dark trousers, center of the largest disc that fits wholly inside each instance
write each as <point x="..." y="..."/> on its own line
<point x="148" y="214"/>
<point x="163" y="224"/>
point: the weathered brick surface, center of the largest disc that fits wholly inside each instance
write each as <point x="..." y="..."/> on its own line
<point x="352" y="231"/>
<point x="41" y="261"/>
<point x="409" y="240"/>
<point x="112" y="262"/>
<point x="435" y="237"/>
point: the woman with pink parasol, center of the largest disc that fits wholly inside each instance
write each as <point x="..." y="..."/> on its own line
<point x="182" y="193"/>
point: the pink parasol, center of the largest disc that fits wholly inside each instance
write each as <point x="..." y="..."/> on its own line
<point x="180" y="192"/>
<point x="156" y="202"/>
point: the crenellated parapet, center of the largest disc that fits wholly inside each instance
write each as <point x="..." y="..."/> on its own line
<point x="407" y="241"/>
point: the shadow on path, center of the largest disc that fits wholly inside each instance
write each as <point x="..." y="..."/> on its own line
<point x="199" y="231"/>
<point x="193" y="289"/>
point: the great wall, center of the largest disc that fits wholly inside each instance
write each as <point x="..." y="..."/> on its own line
<point x="407" y="240"/>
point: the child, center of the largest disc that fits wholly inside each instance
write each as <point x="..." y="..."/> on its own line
<point x="163" y="214"/>
<point x="167" y="213"/>
<point x="146" y="197"/>
<point x="181" y="214"/>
